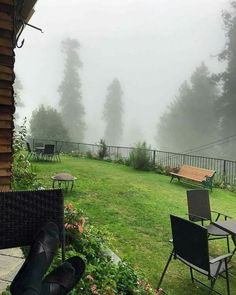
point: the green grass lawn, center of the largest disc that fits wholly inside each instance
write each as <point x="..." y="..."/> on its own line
<point x="135" y="206"/>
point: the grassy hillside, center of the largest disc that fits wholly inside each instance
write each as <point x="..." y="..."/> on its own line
<point x="135" y="207"/>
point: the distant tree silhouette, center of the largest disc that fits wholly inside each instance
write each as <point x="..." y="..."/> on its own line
<point x="46" y="123"/>
<point x="227" y="102"/>
<point x="18" y="87"/>
<point x="191" y="118"/>
<point x="112" y="113"/>
<point x="72" y="109"/>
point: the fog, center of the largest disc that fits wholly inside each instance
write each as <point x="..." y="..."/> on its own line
<point x="151" y="46"/>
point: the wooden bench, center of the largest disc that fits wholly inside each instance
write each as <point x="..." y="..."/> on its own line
<point x="200" y="175"/>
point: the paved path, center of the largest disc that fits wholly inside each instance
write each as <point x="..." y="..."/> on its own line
<point x="10" y="262"/>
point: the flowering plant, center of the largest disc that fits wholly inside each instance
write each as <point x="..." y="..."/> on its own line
<point x="102" y="275"/>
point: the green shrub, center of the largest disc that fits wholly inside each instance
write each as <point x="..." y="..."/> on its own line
<point x="119" y="159"/>
<point x="23" y="177"/>
<point x="103" y="150"/>
<point x="160" y="169"/>
<point x="139" y="157"/>
<point x="90" y="155"/>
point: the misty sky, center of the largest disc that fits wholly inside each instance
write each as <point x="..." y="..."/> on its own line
<point x="151" y="46"/>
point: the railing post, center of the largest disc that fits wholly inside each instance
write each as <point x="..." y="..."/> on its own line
<point x="117" y="152"/>
<point x="224" y="172"/>
<point x="154" y="157"/>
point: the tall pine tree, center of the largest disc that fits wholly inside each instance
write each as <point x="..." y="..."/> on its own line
<point x="227" y="102"/>
<point x="112" y="114"/>
<point x="72" y="109"/>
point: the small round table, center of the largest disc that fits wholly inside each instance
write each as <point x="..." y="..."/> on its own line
<point x="67" y="178"/>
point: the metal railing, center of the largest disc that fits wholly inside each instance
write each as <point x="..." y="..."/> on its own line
<point x="225" y="169"/>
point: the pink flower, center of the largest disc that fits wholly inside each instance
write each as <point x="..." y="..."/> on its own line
<point x="89" y="278"/>
<point x="69" y="206"/>
<point x="68" y="225"/>
<point x="94" y="289"/>
<point x="80" y="224"/>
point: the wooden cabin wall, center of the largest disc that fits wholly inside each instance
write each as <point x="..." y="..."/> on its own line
<point x="6" y="91"/>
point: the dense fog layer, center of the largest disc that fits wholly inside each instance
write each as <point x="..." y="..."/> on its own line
<point x="149" y="46"/>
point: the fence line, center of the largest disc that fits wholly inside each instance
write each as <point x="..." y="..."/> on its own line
<point x="225" y="169"/>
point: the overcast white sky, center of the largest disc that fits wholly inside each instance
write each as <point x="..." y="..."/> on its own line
<point x="151" y="46"/>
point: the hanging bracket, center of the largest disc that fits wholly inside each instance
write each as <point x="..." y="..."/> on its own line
<point x="23" y="24"/>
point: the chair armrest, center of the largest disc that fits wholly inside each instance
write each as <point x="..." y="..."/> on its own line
<point x="219" y="214"/>
<point x="202" y="219"/>
<point x="219" y="258"/>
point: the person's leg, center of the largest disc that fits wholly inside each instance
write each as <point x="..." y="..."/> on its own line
<point x="29" y="277"/>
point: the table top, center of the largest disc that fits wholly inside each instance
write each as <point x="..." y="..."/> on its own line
<point x="227" y="225"/>
<point x="63" y="177"/>
<point x="39" y="148"/>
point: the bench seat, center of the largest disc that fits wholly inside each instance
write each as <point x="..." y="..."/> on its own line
<point x="200" y="175"/>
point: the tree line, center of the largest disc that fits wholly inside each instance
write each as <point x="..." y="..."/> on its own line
<point x="204" y="110"/>
<point x="67" y="122"/>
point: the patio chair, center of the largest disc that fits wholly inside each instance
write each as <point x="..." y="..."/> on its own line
<point x="199" y="211"/>
<point x="30" y="152"/>
<point x="24" y="213"/>
<point x="190" y="246"/>
<point x="57" y="153"/>
<point x="48" y="152"/>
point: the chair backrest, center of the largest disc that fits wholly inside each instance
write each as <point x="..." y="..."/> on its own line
<point x="28" y="147"/>
<point x="190" y="242"/>
<point x="198" y="204"/>
<point x="49" y="149"/>
<point x="23" y="213"/>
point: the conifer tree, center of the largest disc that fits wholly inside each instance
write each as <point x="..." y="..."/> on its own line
<point x="72" y="109"/>
<point x="191" y="119"/>
<point x="227" y="102"/>
<point x="112" y="114"/>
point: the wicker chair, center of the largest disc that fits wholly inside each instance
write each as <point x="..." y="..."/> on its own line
<point x="23" y="213"/>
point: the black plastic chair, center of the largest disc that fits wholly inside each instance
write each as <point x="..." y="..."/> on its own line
<point x="57" y="153"/>
<point x="48" y="152"/>
<point x="190" y="246"/>
<point x="199" y="210"/>
<point x="30" y="152"/>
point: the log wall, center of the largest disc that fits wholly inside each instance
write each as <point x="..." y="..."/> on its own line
<point x="7" y="77"/>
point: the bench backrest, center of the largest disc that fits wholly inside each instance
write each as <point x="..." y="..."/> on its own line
<point x="195" y="172"/>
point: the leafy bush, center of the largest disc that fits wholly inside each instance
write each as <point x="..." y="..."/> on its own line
<point x="160" y="169"/>
<point x="103" y="149"/>
<point x="23" y="177"/>
<point x="119" y="159"/>
<point x="139" y="157"/>
<point x="90" y="155"/>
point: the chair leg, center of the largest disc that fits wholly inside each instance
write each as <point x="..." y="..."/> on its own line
<point x="213" y="280"/>
<point x="191" y="274"/>
<point x="165" y="269"/>
<point x="228" y="244"/>
<point x="227" y="277"/>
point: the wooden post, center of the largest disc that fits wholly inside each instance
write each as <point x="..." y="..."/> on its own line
<point x="7" y="77"/>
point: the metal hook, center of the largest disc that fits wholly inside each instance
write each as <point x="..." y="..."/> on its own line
<point x="17" y="39"/>
<point x="21" y="30"/>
